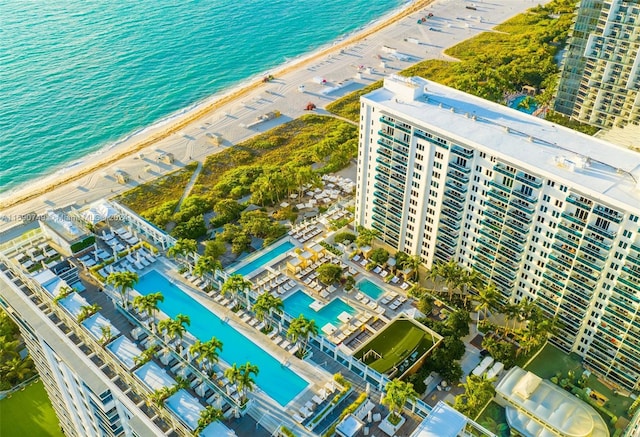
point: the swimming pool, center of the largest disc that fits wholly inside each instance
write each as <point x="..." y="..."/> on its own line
<point x="529" y="108"/>
<point x="298" y="303"/>
<point x="265" y="258"/>
<point x="370" y="289"/>
<point x="279" y="382"/>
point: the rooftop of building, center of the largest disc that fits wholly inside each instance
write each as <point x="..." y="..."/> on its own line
<point x="547" y="403"/>
<point x="443" y="421"/>
<point x="593" y="166"/>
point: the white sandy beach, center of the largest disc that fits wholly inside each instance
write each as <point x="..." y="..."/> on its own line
<point x="389" y="45"/>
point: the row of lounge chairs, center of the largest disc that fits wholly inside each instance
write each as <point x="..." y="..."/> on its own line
<point x="307" y="234"/>
<point x="132" y="262"/>
<point x="306" y="411"/>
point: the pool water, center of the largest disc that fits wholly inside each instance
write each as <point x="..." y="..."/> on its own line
<point x="370" y="289"/>
<point x="529" y="110"/>
<point x="265" y="258"/>
<point x="298" y="303"/>
<point x="279" y="382"/>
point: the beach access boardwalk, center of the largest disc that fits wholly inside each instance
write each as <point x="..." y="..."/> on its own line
<point x="317" y="79"/>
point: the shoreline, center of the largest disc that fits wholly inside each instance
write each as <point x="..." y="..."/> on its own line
<point x="150" y="135"/>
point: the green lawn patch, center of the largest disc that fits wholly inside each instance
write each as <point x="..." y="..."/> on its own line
<point x="29" y="412"/>
<point x="394" y="344"/>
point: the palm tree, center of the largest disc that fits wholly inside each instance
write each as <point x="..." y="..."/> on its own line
<point x="366" y="236"/>
<point x="300" y="330"/>
<point x="183" y="248"/>
<point x="178" y="327"/>
<point x="207" y="416"/>
<point x="206" y="265"/>
<point x="452" y="275"/>
<point x="145" y="356"/>
<point x="267" y="304"/>
<point x="398" y="393"/>
<point x="16" y="369"/>
<point x="87" y="311"/>
<point x="63" y="292"/>
<point x="469" y="280"/>
<point x="123" y="281"/>
<point x="149" y="304"/>
<point x="478" y="391"/>
<point x="234" y="285"/>
<point x="241" y="378"/>
<point x="8" y="347"/>
<point x="488" y="299"/>
<point x="208" y="353"/>
<point x="164" y="327"/>
<point x="413" y="263"/>
<point x="107" y="335"/>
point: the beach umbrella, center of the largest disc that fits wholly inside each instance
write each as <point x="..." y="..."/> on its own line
<point x="115" y="253"/>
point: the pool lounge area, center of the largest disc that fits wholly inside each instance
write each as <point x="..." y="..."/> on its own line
<point x="301" y="303"/>
<point x="370" y="289"/>
<point x="265" y="258"/>
<point x="236" y="347"/>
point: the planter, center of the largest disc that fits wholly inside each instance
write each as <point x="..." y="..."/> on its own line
<point x="389" y="428"/>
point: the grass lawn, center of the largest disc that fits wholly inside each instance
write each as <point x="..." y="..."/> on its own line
<point x="394" y="344"/>
<point x="29" y="412"/>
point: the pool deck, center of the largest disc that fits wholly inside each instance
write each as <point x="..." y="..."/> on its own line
<point x="275" y="413"/>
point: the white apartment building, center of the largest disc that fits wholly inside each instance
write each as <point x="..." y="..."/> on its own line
<point x="600" y="76"/>
<point x="546" y="213"/>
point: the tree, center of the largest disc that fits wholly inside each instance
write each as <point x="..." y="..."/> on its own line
<point x="469" y="279"/>
<point x="478" y="391"/>
<point x="207" y="416"/>
<point x="16" y="369"/>
<point x="206" y="354"/>
<point x="242" y="378"/>
<point x="458" y="323"/>
<point x="379" y="256"/>
<point x="206" y="265"/>
<point x="300" y="330"/>
<point x="149" y="304"/>
<point x="344" y="237"/>
<point x="214" y="248"/>
<point x="267" y="304"/>
<point x="398" y="393"/>
<point x="413" y="263"/>
<point x="366" y="236"/>
<point x="123" y="282"/>
<point x="329" y="273"/>
<point x="107" y="335"/>
<point x="488" y="299"/>
<point x="145" y="356"/>
<point x="236" y="284"/>
<point x="184" y="247"/>
<point x="87" y="311"/>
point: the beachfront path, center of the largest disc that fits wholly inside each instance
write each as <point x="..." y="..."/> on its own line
<point x="293" y="87"/>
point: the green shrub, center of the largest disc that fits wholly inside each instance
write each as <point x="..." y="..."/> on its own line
<point x="83" y="244"/>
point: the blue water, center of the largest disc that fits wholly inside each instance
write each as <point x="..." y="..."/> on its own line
<point x="279" y="382"/>
<point x="265" y="258"/>
<point x="298" y="303"/>
<point x="370" y="289"/>
<point x="77" y="75"/>
<point x="532" y="107"/>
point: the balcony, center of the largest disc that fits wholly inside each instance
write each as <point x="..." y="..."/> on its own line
<point x="495" y="205"/>
<point x="490" y="235"/>
<point x="457" y="216"/>
<point x="632" y="272"/>
<point x="491" y="225"/>
<point x="450" y="223"/>
<point x="609" y="215"/>
<point x="498" y="217"/>
<point x="603" y="232"/>
<point x="462" y="152"/>
<point x="582" y="203"/>
<point x="557" y="271"/>
<point x="459" y="167"/>
<point x="601" y="244"/>
<point x="519" y="216"/>
<point x="564" y="249"/>
<point x="572" y="218"/>
<point x="515" y="236"/>
<point x="500" y="187"/>
<point x="458" y="176"/>
<point x="510" y="266"/>
<point x="527" y="197"/>
<point x="588" y="264"/>
<point x="498" y="195"/>
<point x="567" y="228"/>
<point x="454" y="186"/>
<point x="452" y="203"/>
<point x="563" y="262"/>
<point x="593" y="253"/>
<point x="449" y="232"/>
<point x="521" y="206"/>
<point x="516" y="226"/>
<point x="532" y="183"/>
<point x="513" y="246"/>
<point x="501" y="168"/>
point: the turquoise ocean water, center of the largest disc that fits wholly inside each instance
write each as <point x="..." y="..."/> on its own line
<point x="78" y="75"/>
